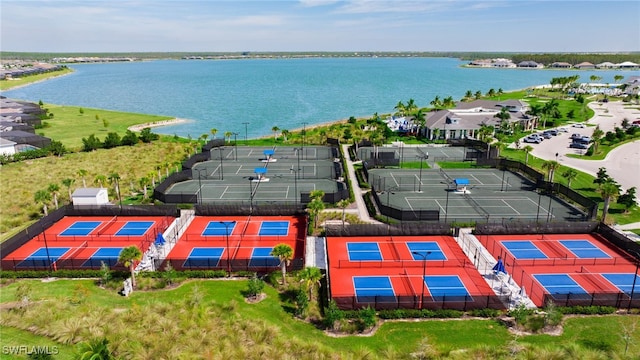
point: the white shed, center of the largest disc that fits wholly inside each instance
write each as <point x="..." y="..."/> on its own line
<point x="90" y="196"/>
<point x="7" y="147"/>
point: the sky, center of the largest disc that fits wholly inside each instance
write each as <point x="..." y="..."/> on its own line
<point x="319" y="25"/>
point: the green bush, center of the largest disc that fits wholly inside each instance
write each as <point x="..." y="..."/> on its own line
<point x="368" y="317"/>
<point x="587" y="310"/>
<point x="484" y="313"/>
<point x="332" y="314"/>
<point x="534" y="323"/>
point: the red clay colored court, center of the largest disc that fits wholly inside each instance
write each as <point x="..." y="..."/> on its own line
<point x="238" y="243"/>
<point x="85" y="242"/>
<point x="570" y="269"/>
<point x="387" y="272"/>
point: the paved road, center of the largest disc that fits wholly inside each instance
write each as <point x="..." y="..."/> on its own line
<point x="622" y="163"/>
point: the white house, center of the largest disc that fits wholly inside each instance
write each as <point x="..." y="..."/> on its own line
<point x="90" y="196"/>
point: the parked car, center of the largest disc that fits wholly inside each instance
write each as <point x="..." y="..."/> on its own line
<point x="533" y="139"/>
<point x="546" y="135"/>
<point x="585" y="139"/>
<point x="562" y="129"/>
<point x="579" y="145"/>
<point x="576" y="136"/>
<point x="552" y="132"/>
<point x="578" y="125"/>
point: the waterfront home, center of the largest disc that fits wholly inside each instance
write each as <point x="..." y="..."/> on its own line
<point x="585" y="65"/>
<point x="561" y="65"/>
<point x="530" y="64"/>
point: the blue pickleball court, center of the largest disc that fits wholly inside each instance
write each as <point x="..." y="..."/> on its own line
<point x="108" y="255"/>
<point x="81" y="228"/>
<point x="430" y="249"/>
<point x="261" y="257"/>
<point x="134" y="228"/>
<point x="371" y="289"/>
<point x="523" y="249"/>
<point x="274" y="228"/>
<point x="219" y="228"/>
<point x="584" y="249"/>
<point x="204" y="257"/>
<point x="559" y="284"/>
<point x="364" y="251"/>
<point x="446" y="288"/>
<point x="624" y="282"/>
<point x="39" y="258"/>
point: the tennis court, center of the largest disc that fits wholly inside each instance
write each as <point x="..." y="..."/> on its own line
<point x="466" y="194"/>
<point x="391" y="272"/>
<point x="627" y="283"/>
<point x="569" y="269"/>
<point x="259" y="175"/>
<point x="77" y="242"/>
<point x="238" y="243"/>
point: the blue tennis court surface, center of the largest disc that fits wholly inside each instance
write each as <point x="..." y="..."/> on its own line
<point x="523" y="249"/>
<point x="624" y="282"/>
<point x="446" y="288"/>
<point x="204" y="257"/>
<point x="134" y="228"/>
<point x="370" y="289"/>
<point x="274" y="228"/>
<point x="425" y="247"/>
<point x="219" y="228"/>
<point x="364" y="251"/>
<point x="559" y="284"/>
<point x="81" y="228"/>
<point x="262" y="257"/>
<point x="584" y="249"/>
<point x="39" y="257"/>
<point x="107" y="255"/>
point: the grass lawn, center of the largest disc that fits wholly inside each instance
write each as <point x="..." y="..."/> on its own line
<point x="603" y="150"/>
<point x="12" y="337"/>
<point x="69" y="125"/>
<point x="399" y="337"/>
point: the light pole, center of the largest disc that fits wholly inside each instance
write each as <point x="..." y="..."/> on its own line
<point x="304" y="133"/>
<point x="246" y="124"/>
<point x="226" y="227"/>
<point x="424" y="272"/>
<point x="295" y="183"/>
<point x="250" y="195"/>
<point x="235" y="143"/>
<point x="635" y="275"/>
<point x="200" y="184"/>
<point x="446" y="205"/>
<point x="221" y="167"/>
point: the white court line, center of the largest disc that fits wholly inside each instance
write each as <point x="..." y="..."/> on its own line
<point x="408" y="203"/>
<point x="440" y="206"/>
<point x="479" y="182"/>
<point x="506" y="203"/>
<point x="394" y="180"/>
<point x="224" y="192"/>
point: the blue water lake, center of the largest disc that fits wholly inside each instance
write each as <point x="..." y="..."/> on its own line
<point x="286" y="93"/>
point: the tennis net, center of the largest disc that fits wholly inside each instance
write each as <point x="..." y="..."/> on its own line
<point x="108" y="225"/>
<point x="475" y="204"/>
<point x="446" y="176"/>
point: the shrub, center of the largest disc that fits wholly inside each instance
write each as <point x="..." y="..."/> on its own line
<point x="332" y="314"/>
<point x="520" y="314"/>
<point x="254" y="287"/>
<point x="368" y="317"/>
<point x="302" y="302"/>
<point x="484" y="313"/>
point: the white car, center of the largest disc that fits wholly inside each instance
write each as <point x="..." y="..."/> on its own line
<point x="564" y="130"/>
<point x="578" y="125"/>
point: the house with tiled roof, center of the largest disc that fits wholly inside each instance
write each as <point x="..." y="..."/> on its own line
<point x="585" y="65"/>
<point x="530" y="64"/>
<point x="560" y="65"/>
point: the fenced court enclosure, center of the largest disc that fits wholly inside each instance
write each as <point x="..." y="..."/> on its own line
<point x="464" y="195"/>
<point x="256" y="175"/>
<point x="238" y="243"/>
<point x="78" y="242"/>
<point x="568" y="269"/>
<point x="419" y="272"/>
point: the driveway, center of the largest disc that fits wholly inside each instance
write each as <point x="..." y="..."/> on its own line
<point x="622" y="163"/>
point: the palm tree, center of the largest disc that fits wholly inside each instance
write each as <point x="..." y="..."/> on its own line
<point x="167" y="166"/>
<point x="96" y="349"/>
<point x="68" y="182"/>
<point x="400" y="108"/>
<point x="491" y="92"/>
<point x="316" y="195"/>
<point x="284" y="253"/>
<point x="420" y="120"/>
<point x="214" y="131"/>
<point x="478" y="94"/>
<point x="411" y="106"/>
<point x="570" y="174"/>
<point x="144" y="183"/>
<point x="468" y="94"/>
<point x="227" y="135"/>
<point x="54" y="189"/>
<point x="448" y="102"/>
<point x="275" y="130"/>
<point x="114" y="178"/>
<point x="618" y="78"/>
<point x="527" y="149"/>
<point x="485" y="132"/>
<point x="315" y="206"/>
<point x="285" y="133"/>
<point x="128" y="257"/>
<point x="343" y="204"/>
<point x="436" y="102"/>
<point x="310" y="276"/>
<point x="43" y="197"/>
<point x="551" y="166"/>
<point x="82" y="173"/>
<point x="609" y="190"/>
<point x="100" y="180"/>
<point x="595" y="138"/>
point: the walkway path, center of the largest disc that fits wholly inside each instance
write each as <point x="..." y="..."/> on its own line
<point x="361" y="207"/>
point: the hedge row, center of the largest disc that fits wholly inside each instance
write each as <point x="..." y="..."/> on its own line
<point x="416" y="314"/>
<point x="115" y="274"/>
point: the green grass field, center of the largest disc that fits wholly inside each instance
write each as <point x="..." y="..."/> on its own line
<point x="219" y="313"/>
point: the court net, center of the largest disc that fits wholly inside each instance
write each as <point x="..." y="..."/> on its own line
<point x="475" y="205"/>
<point x="108" y="225"/>
<point x="446" y="176"/>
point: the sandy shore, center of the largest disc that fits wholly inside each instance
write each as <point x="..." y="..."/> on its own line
<point x="174" y="121"/>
